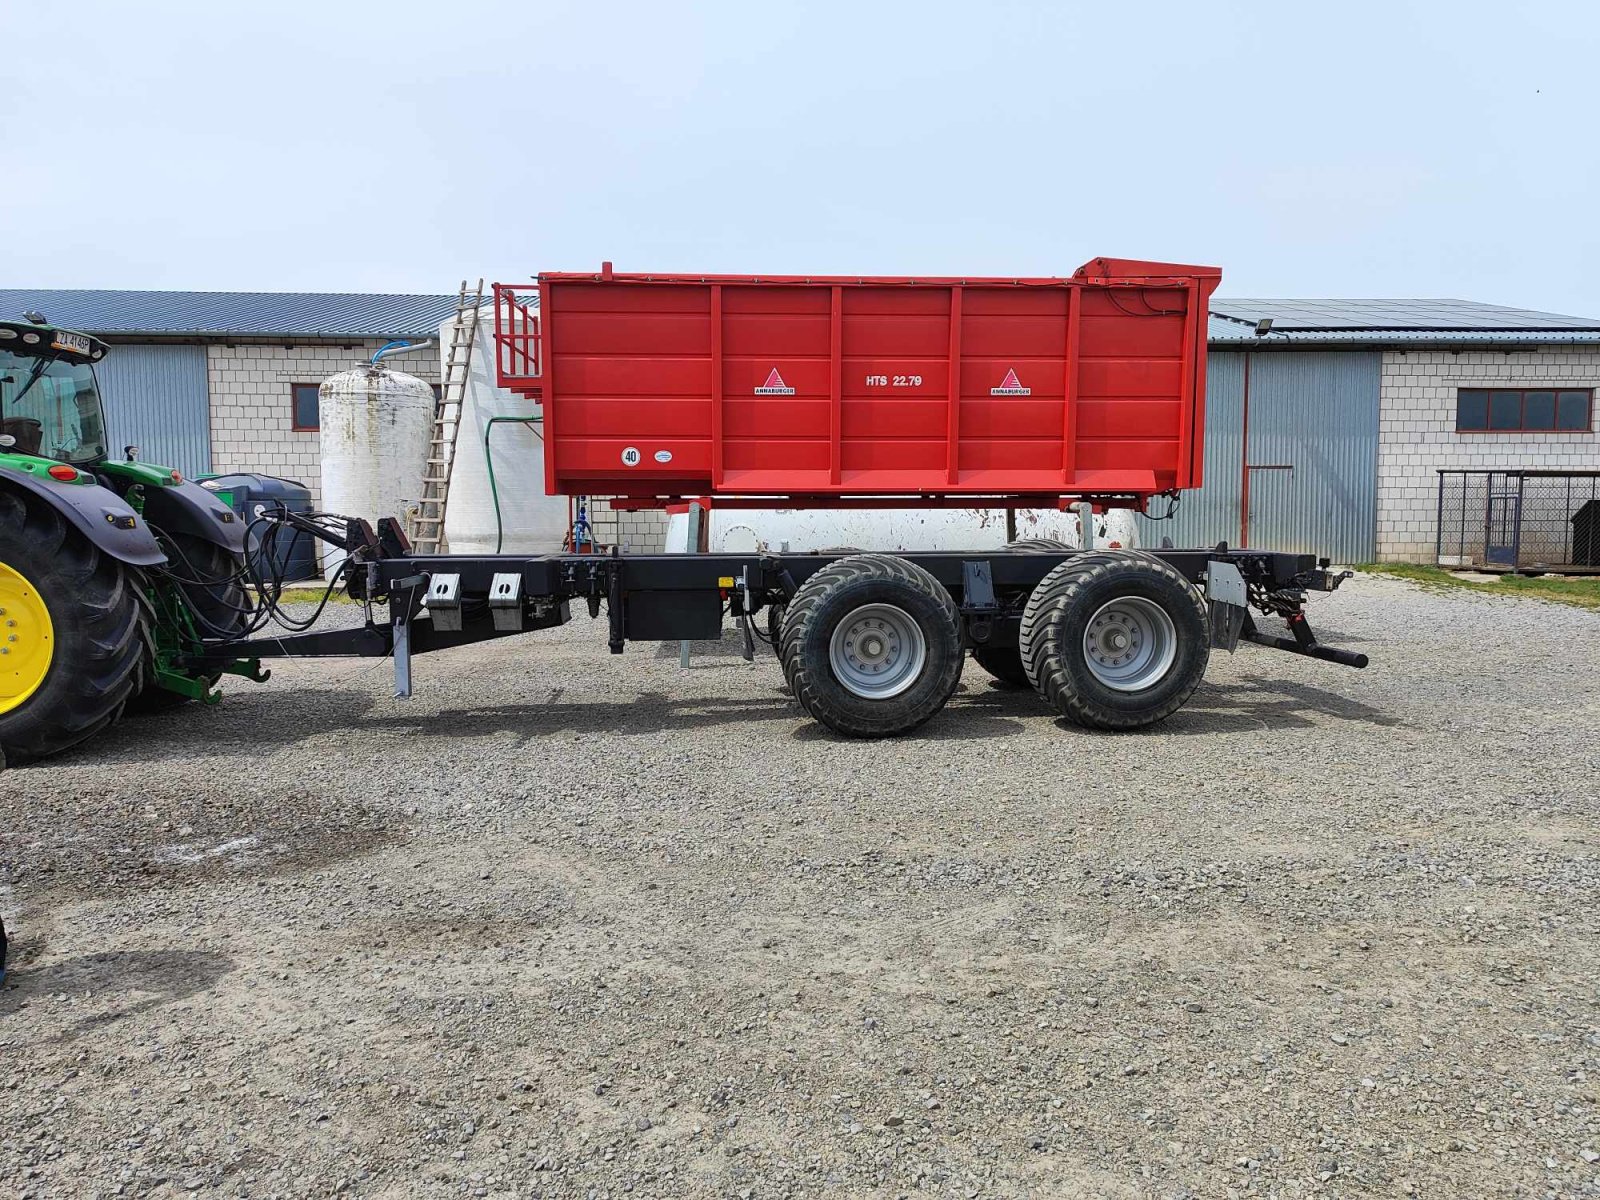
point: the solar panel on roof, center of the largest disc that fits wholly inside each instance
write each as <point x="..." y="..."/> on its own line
<point x="1375" y="314"/>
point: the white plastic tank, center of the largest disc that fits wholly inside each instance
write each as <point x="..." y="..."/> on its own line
<point x="799" y="530"/>
<point x="1114" y="529"/>
<point x="376" y="423"/>
<point x="530" y="522"/>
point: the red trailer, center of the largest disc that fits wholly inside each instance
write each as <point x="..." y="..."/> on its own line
<point x="835" y="391"/>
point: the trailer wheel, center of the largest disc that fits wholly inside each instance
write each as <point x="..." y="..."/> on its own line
<point x="775" y="628"/>
<point x="1045" y="544"/>
<point x="73" y="633"/>
<point x="871" y="645"/>
<point x="1004" y="663"/>
<point x="1115" y="640"/>
<point x="210" y="582"/>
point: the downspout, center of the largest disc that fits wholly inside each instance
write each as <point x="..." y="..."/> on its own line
<point x="1244" y="461"/>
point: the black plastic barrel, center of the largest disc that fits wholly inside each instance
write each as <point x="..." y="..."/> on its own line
<point x="246" y="494"/>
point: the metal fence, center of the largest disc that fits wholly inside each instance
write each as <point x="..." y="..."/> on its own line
<point x="1519" y="520"/>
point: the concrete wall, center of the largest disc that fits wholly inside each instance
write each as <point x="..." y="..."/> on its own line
<point x="252" y="416"/>
<point x="1417" y="431"/>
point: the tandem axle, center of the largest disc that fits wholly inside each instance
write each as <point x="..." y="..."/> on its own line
<point x="872" y="643"/>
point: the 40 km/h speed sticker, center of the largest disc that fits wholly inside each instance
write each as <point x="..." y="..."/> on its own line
<point x="631" y="456"/>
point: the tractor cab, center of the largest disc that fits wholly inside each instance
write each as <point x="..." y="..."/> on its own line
<point x="49" y="398"/>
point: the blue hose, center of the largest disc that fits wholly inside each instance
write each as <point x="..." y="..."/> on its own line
<point x="390" y="348"/>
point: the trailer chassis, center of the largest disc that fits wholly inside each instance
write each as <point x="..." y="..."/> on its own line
<point x="436" y="602"/>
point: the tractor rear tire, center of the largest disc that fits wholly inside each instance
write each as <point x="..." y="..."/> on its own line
<point x="1115" y="639"/>
<point x="214" y="591"/>
<point x="82" y="632"/>
<point x="871" y="646"/>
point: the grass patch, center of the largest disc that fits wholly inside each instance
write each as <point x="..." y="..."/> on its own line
<point x="1581" y="591"/>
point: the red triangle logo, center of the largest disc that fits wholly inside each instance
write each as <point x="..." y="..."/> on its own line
<point x="774" y="380"/>
<point x="1010" y="381"/>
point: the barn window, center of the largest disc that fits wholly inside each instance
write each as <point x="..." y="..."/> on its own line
<point x="303" y="397"/>
<point x="1529" y="410"/>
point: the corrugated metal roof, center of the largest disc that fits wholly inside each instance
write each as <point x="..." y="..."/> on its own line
<point x="239" y="314"/>
<point x="1389" y="322"/>
<point x="363" y="315"/>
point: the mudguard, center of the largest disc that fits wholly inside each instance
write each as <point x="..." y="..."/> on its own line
<point x="189" y="508"/>
<point x="97" y="512"/>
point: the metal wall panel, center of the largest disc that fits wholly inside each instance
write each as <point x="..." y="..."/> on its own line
<point x="1315" y="412"/>
<point x="1210" y="514"/>
<point x="157" y="398"/>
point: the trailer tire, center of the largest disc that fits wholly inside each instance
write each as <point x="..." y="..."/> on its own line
<point x="871" y="646"/>
<point x="87" y="624"/>
<point x="1115" y="639"/>
<point x="214" y="591"/>
<point x="1040" y="544"/>
<point x="1004" y="663"/>
<point x="775" y="628"/>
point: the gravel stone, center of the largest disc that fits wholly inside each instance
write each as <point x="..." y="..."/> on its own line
<point x="318" y="941"/>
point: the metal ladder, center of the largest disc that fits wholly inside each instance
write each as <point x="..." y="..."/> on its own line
<point x="427" y="522"/>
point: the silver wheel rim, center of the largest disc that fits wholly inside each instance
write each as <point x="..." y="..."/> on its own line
<point x="1130" y="643"/>
<point x="877" y="651"/>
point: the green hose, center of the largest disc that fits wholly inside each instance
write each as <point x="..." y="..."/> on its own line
<point x="488" y="459"/>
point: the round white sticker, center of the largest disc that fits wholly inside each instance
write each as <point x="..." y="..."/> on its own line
<point x="663" y="456"/>
<point x="631" y="456"/>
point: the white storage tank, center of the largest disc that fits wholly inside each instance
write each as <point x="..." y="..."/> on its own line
<point x="800" y="530"/>
<point x="1114" y="529"/>
<point x="530" y="522"/>
<point x="376" y="424"/>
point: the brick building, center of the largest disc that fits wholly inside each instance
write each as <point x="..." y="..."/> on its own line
<point x="1327" y="420"/>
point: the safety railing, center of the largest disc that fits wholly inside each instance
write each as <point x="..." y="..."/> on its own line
<point x="518" y="345"/>
<point x="1519" y="520"/>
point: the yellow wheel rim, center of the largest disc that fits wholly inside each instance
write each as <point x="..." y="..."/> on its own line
<point x="27" y="639"/>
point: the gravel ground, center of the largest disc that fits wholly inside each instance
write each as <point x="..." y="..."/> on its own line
<point x="573" y="925"/>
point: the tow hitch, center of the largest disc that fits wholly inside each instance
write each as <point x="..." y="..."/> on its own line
<point x="1232" y="596"/>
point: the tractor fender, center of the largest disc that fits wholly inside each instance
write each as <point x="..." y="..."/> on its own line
<point x="97" y="512"/>
<point x="189" y="508"/>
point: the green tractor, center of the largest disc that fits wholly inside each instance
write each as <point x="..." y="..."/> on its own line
<point x="112" y="571"/>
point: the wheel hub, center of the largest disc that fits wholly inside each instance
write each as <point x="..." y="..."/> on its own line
<point x="27" y="639"/>
<point x="877" y="651"/>
<point x="1130" y="643"/>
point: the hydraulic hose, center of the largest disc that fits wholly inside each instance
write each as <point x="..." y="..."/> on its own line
<point x="488" y="459"/>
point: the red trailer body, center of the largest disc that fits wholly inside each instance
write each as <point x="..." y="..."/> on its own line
<point x="838" y="391"/>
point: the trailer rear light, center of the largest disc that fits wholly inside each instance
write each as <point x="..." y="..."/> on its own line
<point x="62" y="472"/>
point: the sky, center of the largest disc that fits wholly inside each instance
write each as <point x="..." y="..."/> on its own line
<point x="1314" y="149"/>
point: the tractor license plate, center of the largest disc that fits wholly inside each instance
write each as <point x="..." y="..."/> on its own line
<point x="75" y="343"/>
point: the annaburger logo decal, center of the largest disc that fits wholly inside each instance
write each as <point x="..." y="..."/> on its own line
<point x="774" y="386"/>
<point x="1010" y="386"/>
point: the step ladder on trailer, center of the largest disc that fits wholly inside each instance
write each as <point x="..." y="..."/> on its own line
<point x="427" y="522"/>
